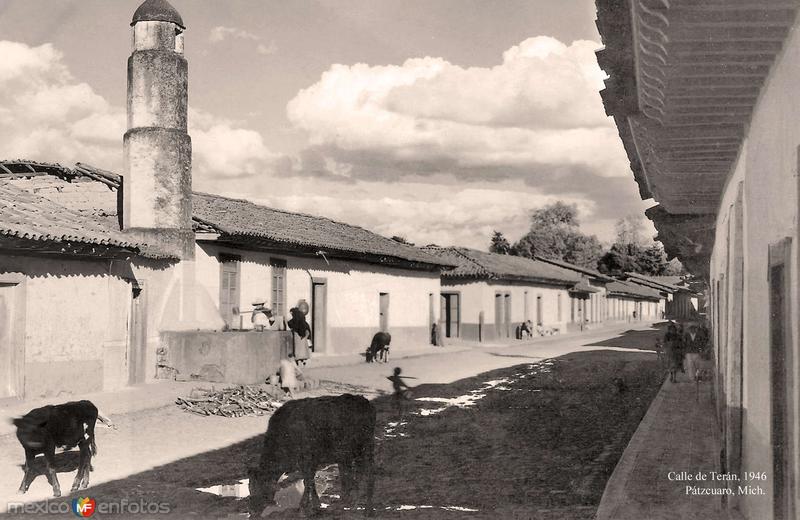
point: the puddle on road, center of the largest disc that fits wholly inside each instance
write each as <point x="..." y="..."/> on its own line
<point x="239" y="490"/>
<point x="470" y="399"/>
<point x="288" y="495"/>
<point x="392" y="430"/>
<point x="445" y="508"/>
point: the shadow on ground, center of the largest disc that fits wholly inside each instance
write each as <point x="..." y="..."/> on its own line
<point x="540" y="441"/>
<point x="634" y="339"/>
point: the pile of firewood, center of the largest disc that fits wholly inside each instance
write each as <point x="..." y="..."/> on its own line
<point x="236" y="401"/>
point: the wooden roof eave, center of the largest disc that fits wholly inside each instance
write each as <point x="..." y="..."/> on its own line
<point x="23" y="247"/>
<point x="513" y="279"/>
<point x="250" y="243"/>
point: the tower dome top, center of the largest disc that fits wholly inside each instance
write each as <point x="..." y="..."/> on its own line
<point x="157" y="11"/>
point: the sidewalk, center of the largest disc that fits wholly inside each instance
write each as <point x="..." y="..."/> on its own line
<point x="163" y="393"/>
<point x="678" y="434"/>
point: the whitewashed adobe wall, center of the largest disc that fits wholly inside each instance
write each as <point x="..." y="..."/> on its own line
<point x="75" y="324"/>
<point x="479" y="296"/>
<point x="767" y="168"/>
<point x="353" y="292"/>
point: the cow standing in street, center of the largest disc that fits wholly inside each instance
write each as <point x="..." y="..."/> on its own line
<point x="307" y="434"/>
<point x="67" y="425"/>
<point x="379" y="347"/>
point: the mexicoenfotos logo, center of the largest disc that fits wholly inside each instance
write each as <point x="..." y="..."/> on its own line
<point x="84" y="507"/>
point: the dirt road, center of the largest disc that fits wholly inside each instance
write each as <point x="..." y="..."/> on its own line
<point x="166" y="445"/>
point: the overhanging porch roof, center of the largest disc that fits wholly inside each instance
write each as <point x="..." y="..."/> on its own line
<point x="684" y="77"/>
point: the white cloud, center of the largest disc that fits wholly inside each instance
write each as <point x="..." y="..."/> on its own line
<point x="427" y="214"/>
<point x="540" y="106"/>
<point x="50" y="116"/>
<point x="271" y="48"/>
<point x="221" y="33"/>
<point x="222" y="148"/>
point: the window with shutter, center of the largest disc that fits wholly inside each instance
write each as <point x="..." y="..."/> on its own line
<point x="229" y="289"/>
<point x="278" y="267"/>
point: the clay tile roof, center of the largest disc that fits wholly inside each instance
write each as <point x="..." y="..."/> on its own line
<point x="584" y="287"/>
<point x="236" y="220"/>
<point x="157" y="11"/>
<point x="668" y="283"/>
<point x="28" y="216"/>
<point x="479" y="264"/>
<point x="572" y="267"/>
<point x="243" y="219"/>
<point x="632" y="290"/>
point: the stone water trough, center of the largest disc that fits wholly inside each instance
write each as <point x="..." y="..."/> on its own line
<point x="236" y="357"/>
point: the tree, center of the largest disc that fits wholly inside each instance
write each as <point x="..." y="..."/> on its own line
<point x="555" y="234"/>
<point x="630" y="229"/>
<point x="620" y="259"/>
<point x="674" y="268"/>
<point x="500" y="244"/>
<point x="634" y="258"/>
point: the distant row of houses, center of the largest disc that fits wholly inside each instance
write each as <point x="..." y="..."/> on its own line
<point x="106" y="279"/>
<point x="83" y="305"/>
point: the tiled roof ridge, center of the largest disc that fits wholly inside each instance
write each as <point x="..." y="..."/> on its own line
<point x="295" y="213"/>
<point x="459" y="250"/>
<point x="569" y="265"/>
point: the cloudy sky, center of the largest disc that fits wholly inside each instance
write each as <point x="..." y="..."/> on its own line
<point x="437" y="120"/>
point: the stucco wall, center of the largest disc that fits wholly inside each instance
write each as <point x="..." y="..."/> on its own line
<point x="353" y="295"/>
<point x="236" y="357"/>
<point x="75" y="325"/>
<point x="479" y="296"/>
<point x="767" y="167"/>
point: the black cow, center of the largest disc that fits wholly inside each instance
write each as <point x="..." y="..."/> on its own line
<point x="379" y="348"/>
<point x="307" y="434"/>
<point x="67" y="425"/>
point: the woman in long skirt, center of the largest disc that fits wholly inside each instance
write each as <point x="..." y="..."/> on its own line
<point x="301" y="332"/>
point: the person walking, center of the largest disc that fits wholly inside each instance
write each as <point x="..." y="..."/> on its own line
<point x="301" y="332"/>
<point x="695" y="345"/>
<point x="401" y="390"/>
<point x="672" y="351"/>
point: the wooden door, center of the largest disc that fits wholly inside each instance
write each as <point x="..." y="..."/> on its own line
<point x="450" y="314"/>
<point x="526" y="314"/>
<point x="137" y="335"/>
<point x="278" y="268"/>
<point x="229" y="289"/>
<point x="444" y="306"/>
<point x="539" y="310"/>
<point x="454" y="316"/>
<point x="507" y="315"/>
<point x="781" y="381"/>
<point x="8" y="367"/>
<point x="319" y="314"/>
<point x="498" y="315"/>
<point x="431" y="311"/>
<point x="384" y="312"/>
<point x="558" y="307"/>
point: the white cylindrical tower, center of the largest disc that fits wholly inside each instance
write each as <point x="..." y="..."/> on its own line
<point x="157" y="186"/>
